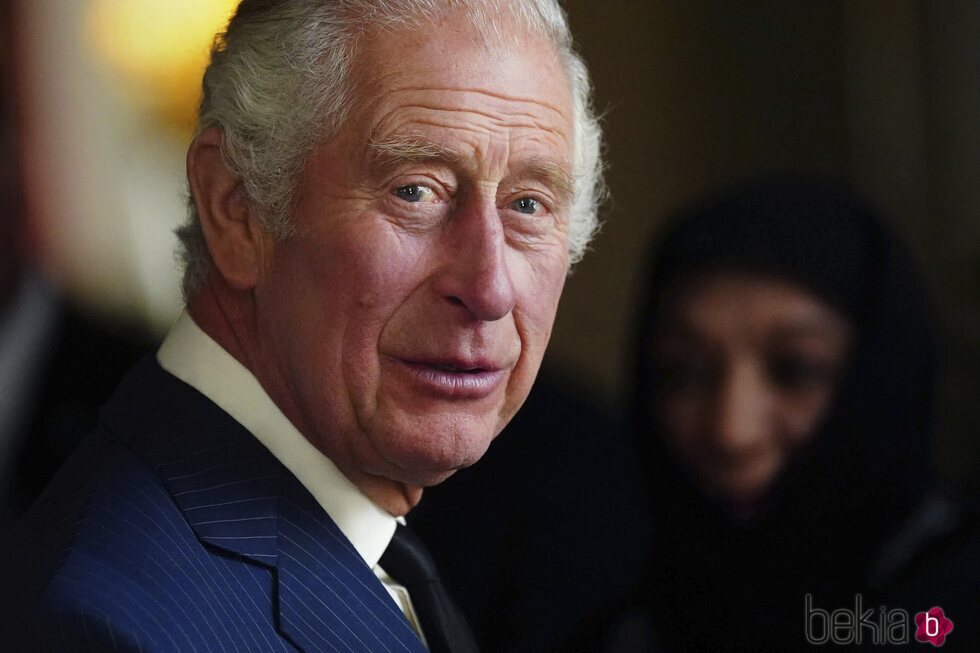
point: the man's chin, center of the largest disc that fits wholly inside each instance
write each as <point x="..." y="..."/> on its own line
<point x="426" y="469"/>
<point x="435" y="440"/>
<point x="425" y="462"/>
<point x="409" y="489"/>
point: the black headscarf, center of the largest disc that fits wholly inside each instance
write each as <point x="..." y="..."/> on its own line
<point x="723" y="583"/>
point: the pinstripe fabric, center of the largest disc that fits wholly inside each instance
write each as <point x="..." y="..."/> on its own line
<point x="173" y="529"/>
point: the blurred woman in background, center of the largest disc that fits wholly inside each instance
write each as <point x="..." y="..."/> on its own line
<point x="782" y="413"/>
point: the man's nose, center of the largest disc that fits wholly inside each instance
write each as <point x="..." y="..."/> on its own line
<point x="476" y="274"/>
<point x="742" y="412"/>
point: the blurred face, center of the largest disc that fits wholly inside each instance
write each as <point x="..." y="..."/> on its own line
<point x="407" y="318"/>
<point x="750" y="365"/>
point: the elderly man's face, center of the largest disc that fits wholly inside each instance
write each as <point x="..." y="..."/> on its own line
<point x="408" y="317"/>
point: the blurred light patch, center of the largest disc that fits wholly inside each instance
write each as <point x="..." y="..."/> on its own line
<point x="158" y="49"/>
<point x="108" y="92"/>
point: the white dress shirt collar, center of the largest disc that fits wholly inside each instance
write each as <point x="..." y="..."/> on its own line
<point x="196" y="359"/>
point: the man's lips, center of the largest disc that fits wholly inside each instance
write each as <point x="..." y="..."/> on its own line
<point x="455" y="378"/>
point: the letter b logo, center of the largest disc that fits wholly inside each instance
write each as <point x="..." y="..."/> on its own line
<point x="813" y="623"/>
<point x="933" y="626"/>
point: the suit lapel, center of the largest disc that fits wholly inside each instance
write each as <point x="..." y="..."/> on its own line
<point x="326" y="591"/>
<point x="238" y="498"/>
<point x="223" y="480"/>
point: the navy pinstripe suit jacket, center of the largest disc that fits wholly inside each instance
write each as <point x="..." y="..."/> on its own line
<point x="173" y="529"/>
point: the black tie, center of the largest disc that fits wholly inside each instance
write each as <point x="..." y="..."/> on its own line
<point x="409" y="563"/>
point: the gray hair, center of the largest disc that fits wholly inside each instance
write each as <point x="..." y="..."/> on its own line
<point x="279" y="84"/>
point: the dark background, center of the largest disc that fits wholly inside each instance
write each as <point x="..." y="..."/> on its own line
<point x="697" y="94"/>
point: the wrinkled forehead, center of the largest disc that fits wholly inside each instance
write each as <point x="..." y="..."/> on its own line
<point x="445" y="74"/>
<point x="437" y="41"/>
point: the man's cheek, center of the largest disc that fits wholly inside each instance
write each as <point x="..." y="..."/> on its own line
<point x="386" y="276"/>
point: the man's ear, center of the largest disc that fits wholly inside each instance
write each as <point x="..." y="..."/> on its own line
<point x="235" y="238"/>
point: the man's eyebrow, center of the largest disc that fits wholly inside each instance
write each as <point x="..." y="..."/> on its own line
<point x="397" y="150"/>
<point x="552" y="174"/>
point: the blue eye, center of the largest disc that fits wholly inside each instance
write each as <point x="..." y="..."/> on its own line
<point x="415" y="193"/>
<point x="525" y="205"/>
